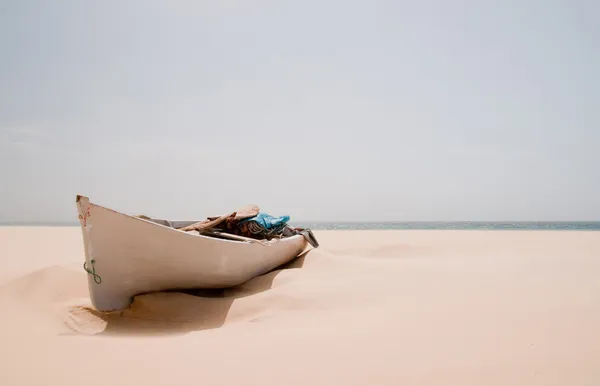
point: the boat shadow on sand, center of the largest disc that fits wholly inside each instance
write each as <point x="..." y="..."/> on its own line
<point x="184" y="311"/>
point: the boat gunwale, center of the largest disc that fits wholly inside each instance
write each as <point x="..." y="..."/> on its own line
<point x="205" y="237"/>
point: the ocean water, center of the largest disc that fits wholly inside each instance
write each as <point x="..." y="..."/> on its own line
<point x="411" y="225"/>
<point x="453" y="225"/>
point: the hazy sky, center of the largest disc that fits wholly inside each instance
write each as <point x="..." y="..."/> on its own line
<point x="323" y="110"/>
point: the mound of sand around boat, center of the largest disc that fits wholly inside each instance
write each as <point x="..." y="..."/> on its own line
<point x="429" y="308"/>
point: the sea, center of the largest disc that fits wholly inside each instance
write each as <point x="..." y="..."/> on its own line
<point x="413" y="225"/>
<point x="454" y="225"/>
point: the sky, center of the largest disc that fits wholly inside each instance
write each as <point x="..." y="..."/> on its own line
<point x="428" y="110"/>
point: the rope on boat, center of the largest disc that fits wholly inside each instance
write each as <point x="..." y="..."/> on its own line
<point x="97" y="278"/>
<point x="257" y="229"/>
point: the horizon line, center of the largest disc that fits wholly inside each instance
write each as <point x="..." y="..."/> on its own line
<point x="76" y="223"/>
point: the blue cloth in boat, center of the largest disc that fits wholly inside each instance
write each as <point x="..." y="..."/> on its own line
<point x="267" y="221"/>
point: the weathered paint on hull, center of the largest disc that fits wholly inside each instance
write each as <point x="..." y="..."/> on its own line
<point x="132" y="256"/>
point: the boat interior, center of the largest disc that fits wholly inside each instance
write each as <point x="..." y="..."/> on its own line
<point x="236" y="226"/>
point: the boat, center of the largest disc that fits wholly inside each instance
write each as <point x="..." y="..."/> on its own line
<point x="128" y="255"/>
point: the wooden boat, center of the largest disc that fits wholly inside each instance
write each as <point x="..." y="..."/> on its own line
<point x="129" y="255"/>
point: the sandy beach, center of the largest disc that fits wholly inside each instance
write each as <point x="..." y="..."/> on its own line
<point x="366" y="308"/>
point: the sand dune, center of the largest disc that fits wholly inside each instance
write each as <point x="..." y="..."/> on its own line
<point x="381" y="307"/>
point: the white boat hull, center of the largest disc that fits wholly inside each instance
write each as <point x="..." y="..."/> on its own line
<point x="126" y="256"/>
